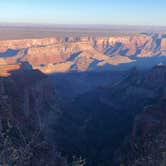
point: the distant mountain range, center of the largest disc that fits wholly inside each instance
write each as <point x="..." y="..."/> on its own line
<point x="88" y="53"/>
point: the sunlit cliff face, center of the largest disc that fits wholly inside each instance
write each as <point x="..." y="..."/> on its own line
<point x="80" y="53"/>
<point x="6" y="69"/>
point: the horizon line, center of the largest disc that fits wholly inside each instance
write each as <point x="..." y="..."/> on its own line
<point x="76" y="25"/>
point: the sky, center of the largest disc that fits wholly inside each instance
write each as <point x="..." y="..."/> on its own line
<point x="107" y="12"/>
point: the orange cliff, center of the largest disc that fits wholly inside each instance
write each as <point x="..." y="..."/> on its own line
<point x="79" y="53"/>
<point x="163" y="44"/>
<point x="26" y="43"/>
<point x="6" y="69"/>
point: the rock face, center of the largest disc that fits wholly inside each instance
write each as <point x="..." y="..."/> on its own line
<point x="18" y="44"/>
<point x="26" y="99"/>
<point x="158" y="73"/>
<point x="6" y="69"/>
<point x="151" y="119"/>
<point x="95" y="53"/>
<point x="29" y="105"/>
<point x="163" y="44"/>
<point x="147" y="146"/>
<point x="106" y="117"/>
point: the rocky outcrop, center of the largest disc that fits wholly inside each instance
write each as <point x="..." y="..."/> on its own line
<point x="26" y="43"/>
<point x="26" y="99"/>
<point x="6" y="69"/>
<point x="158" y="74"/>
<point x="151" y="119"/>
<point x="147" y="146"/>
<point x="163" y="44"/>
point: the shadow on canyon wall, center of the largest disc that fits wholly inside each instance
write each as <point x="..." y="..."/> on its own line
<point x="93" y="125"/>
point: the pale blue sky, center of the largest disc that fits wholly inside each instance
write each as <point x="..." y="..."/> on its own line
<point x="128" y="12"/>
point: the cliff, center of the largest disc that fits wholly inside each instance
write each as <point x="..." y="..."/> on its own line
<point x="26" y="100"/>
<point x="102" y="53"/>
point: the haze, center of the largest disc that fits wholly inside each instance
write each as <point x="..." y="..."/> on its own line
<point x="120" y="12"/>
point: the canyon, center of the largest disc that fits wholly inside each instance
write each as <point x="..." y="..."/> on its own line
<point x="84" y="53"/>
<point x="97" y="100"/>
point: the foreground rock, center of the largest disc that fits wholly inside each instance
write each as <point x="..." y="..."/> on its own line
<point x="26" y="100"/>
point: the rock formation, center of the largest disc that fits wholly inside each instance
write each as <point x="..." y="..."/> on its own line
<point x="95" y="53"/>
<point x="26" y="99"/>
